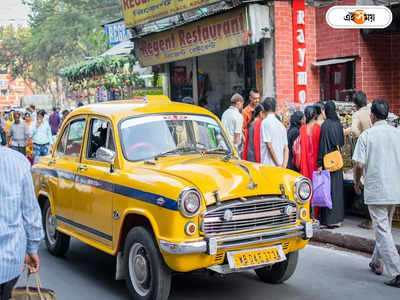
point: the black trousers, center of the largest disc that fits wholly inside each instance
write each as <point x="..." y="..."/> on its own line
<point x="6" y="289"/>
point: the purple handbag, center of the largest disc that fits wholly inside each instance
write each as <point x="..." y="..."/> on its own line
<point x="321" y="189"/>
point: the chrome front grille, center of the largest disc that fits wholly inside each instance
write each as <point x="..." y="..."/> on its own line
<point x="240" y="216"/>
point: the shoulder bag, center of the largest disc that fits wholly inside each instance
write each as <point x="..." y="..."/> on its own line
<point x="333" y="161"/>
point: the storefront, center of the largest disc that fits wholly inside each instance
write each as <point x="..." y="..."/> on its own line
<point x="208" y="60"/>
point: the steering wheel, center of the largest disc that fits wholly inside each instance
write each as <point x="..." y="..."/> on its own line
<point x="142" y="145"/>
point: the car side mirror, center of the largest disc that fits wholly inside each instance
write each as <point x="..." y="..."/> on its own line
<point x="106" y="155"/>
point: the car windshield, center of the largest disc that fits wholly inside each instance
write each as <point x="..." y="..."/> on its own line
<point x="161" y="135"/>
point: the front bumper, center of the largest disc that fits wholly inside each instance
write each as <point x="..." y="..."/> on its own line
<point x="210" y="245"/>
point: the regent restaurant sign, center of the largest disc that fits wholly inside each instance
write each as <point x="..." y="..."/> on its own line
<point x="137" y="12"/>
<point x="218" y="33"/>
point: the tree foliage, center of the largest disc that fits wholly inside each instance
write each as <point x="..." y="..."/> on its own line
<point x="60" y="33"/>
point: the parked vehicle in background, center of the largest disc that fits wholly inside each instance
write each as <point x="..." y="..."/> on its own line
<point x="159" y="185"/>
<point x="45" y="102"/>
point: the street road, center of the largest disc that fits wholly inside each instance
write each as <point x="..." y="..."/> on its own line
<point x="86" y="273"/>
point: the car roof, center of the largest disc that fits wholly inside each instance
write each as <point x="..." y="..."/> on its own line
<point x="118" y="110"/>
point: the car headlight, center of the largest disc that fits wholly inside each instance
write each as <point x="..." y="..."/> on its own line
<point x="303" y="189"/>
<point x="189" y="202"/>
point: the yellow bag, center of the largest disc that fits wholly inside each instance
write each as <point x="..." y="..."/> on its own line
<point x="333" y="161"/>
<point x="33" y="293"/>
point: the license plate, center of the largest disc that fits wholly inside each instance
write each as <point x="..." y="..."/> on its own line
<point x="255" y="257"/>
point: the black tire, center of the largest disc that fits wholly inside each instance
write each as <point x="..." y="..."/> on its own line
<point x="152" y="278"/>
<point x="57" y="242"/>
<point x="279" y="272"/>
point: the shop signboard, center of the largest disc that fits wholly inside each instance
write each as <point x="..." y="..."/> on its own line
<point x="299" y="51"/>
<point x="225" y="31"/>
<point x="117" y="33"/>
<point x="138" y="12"/>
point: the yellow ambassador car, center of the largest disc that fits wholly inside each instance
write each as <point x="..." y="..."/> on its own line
<point x="159" y="185"/>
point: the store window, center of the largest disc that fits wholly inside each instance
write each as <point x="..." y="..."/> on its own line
<point x="337" y="81"/>
<point x="182" y="81"/>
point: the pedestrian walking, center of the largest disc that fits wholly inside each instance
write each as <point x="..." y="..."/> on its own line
<point x="18" y="134"/>
<point x="55" y="122"/>
<point x="20" y="220"/>
<point x="331" y="139"/>
<point x="377" y="153"/>
<point x="41" y="136"/>
<point x="247" y="113"/>
<point x="296" y="120"/>
<point x="251" y="149"/>
<point x="29" y="146"/>
<point x="361" y="121"/>
<point x="274" y="142"/>
<point x="32" y="110"/>
<point x="232" y="120"/>
<point x="64" y="115"/>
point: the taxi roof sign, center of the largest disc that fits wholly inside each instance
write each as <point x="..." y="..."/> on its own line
<point x="156" y="99"/>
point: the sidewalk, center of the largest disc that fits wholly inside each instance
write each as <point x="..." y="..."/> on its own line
<point x="352" y="237"/>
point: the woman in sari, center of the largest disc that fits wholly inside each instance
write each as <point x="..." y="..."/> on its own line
<point x="331" y="139"/>
<point x="296" y="120"/>
<point x="251" y="149"/>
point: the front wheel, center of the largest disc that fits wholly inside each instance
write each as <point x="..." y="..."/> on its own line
<point x="57" y="242"/>
<point x="281" y="271"/>
<point x="146" y="274"/>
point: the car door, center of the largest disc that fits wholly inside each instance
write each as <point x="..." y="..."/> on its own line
<point x="65" y="162"/>
<point x="94" y="200"/>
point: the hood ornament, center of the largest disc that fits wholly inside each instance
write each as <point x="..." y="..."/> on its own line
<point x="252" y="184"/>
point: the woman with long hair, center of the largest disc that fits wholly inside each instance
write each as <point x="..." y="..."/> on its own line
<point x="251" y="149"/>
<point x="296" y="120"/>
<point x="331" y="139"/>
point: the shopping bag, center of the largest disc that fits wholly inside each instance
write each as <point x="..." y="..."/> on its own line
<point x="322" y="189"/>
<point x="33" y="293"/>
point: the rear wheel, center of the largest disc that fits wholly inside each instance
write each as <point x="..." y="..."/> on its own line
<point x="57" y="242"/>
<point x="281" y="271"/>
<point x="146" y="274"/>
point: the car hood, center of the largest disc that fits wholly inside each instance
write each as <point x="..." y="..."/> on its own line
<point x="232" y="179"/>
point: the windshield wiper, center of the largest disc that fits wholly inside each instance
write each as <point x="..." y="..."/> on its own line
<point x="176" y="150"/>
<point x="217" y="151"/>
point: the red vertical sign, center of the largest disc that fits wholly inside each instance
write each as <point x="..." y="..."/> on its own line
<point x="299" y="51"/>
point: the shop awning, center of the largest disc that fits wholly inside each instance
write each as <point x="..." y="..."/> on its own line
<point x="333" y="61"/>
<point x="123" y="48"/>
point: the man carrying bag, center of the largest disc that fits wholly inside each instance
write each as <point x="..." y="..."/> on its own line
<point x="20" y="220"/>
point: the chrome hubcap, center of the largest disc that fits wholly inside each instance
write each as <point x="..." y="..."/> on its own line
<point x="51" y="226"/>
<point x="139" y="271"/>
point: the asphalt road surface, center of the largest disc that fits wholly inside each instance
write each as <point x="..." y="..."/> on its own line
<point x="86" y="273"/>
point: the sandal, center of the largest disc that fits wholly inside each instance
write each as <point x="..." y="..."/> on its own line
<point x="395" y="282"/>
<point x="334" y="226"/>
<point x="377" y="269"/>
<point x="366" y="225"/>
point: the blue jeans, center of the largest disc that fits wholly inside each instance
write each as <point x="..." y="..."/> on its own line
<point x="40" y="150"/>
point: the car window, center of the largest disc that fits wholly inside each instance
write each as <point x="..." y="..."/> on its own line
<point x="100" y="135"/>
<point x="149" y="136"/>
<point x="75" y="137"/>
<point x="63" y="141"/>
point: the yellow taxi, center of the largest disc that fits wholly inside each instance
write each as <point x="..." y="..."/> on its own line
<point x="159" y="185"/>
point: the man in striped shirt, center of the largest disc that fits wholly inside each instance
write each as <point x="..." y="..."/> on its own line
<point x="20" y="220"/>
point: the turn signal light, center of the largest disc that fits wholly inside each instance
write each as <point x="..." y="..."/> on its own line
<point x="190" y="228"/>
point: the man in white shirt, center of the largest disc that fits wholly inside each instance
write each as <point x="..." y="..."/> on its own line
<point x="378" y="153"/>
<point x="274" y="143"/>
<point x="232" y="120"/>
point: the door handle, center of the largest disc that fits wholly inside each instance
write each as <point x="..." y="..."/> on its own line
<point x="82" y="168"/>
